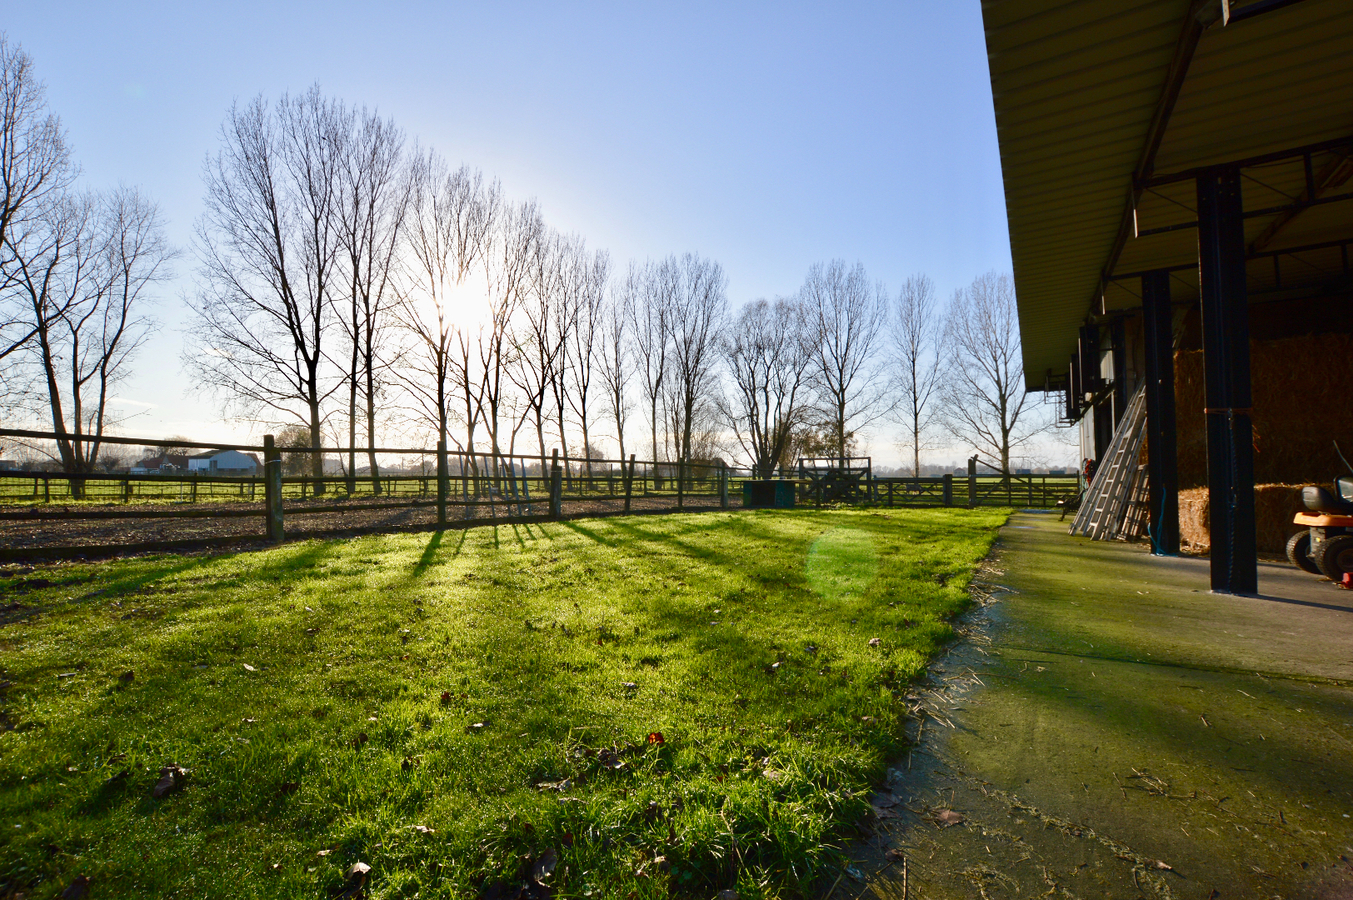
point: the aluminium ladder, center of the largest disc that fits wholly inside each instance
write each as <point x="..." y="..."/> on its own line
<point x="1109" y="497"/>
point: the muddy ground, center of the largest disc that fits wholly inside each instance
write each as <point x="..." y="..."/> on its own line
<point x="299" y="521"/>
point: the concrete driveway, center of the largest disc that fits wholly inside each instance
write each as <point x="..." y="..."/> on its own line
<point x="1109" y="728"/>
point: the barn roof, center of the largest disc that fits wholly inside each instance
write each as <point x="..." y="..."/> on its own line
<point x="1106" y="109"/>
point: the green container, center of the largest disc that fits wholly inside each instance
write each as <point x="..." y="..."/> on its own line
<point x="768" y="494"/>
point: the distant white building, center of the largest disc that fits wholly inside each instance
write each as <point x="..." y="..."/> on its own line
<point x="224" y="462"/>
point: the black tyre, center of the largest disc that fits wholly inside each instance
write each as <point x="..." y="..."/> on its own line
<point x="1299" y="552"/>
<point x="1334" y="556"/>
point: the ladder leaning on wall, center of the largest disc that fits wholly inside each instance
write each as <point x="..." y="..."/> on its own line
<point x="1114" y="501"/>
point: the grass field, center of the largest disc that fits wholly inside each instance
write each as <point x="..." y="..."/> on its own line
<point x="629" y="707"/>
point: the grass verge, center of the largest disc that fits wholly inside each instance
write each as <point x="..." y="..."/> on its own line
<point x="629" y="707"/>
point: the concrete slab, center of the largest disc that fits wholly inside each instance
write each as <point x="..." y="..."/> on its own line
<point x="1109" y="728"/>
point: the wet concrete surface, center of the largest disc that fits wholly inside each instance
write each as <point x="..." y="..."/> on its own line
<point x="1107" y="727"/>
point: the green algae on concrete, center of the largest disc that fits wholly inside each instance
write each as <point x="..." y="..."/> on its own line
<point x="1119" y="731"/>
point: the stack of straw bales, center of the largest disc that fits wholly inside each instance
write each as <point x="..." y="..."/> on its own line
<point x="1303" y="402"/>
<point x="1274" y="507"/>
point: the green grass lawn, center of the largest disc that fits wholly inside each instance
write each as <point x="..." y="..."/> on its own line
<point x="679" y="704"/>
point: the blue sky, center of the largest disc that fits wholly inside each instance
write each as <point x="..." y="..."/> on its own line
<point x="766" y="136"/>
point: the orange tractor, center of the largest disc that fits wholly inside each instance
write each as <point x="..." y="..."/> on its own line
<point x="1326" y="546"/>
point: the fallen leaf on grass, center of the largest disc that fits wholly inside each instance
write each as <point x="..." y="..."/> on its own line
<point x="249" y="668"/>
<point x="76" y="889"/>
<point x="1166" y="866"/>
<point x="946" y="817"/>
<point x="423" y="829"/>
<point x="655" y="737"/>
<point x="356" y="876"/>
<point x="894" y="855"/>
<point x="874" y="642"/>
<point x="545" y="865"/>
<point x="172" y="778"/>
<point x="554" y="785"/>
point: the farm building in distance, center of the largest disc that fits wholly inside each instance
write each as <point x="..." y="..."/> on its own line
<point x="1177" y="180"/>
<point x="224" y="462"/>
<point x="165" y="463"/>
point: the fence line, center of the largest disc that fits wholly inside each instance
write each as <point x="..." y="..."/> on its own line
<point x="449" y="486"/>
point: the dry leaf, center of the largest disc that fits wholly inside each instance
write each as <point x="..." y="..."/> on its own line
<point x="544" y="866"/>
<point x="76" y="889"/>
<point x="249" y="668"/>
<point x="423" y="829"/>
<point x="172" y="777"/>
<point x="874" y="642"/>
<point x="655" y="737"/>
<point x="947" y="817"/>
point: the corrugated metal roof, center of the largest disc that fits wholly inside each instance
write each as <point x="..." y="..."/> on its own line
<point x="1076" y="85"/>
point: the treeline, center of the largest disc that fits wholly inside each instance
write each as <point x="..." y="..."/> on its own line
<point x="358" y="288"/>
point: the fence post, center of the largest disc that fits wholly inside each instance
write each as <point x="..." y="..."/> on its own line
<point x="193" y="499"/>
<point x="972" y="481"/>
<point x="126" y="490"/>
<point x="272" y="488"/>
<point x="723" y="485"/>
<point x="629" y="483"/>
<point x="556" y="487"/>
<point x="443" y="481"/>
<point x="948" y="488"/>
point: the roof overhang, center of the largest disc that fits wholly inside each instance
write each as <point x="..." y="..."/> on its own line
<point x="1107" y="109"/>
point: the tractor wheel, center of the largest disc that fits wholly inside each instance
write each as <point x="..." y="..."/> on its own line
<point x="1334" y="556"/>
<point x="1299" y="552"/>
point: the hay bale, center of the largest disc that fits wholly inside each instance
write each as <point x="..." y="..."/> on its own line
<point x="1302" y="400"/>
<point x="1274" y="507"/>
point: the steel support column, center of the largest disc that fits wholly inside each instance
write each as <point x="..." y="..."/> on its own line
<point x="1162" y="462"/>
<point x="1226" y="368"/>
<point x="1118" y="344"/>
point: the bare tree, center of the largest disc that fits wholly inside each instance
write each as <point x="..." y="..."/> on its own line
<point x="985" y="401"/>
<point x="35" y="173"/>
<point x="569" y="285"/>
<point x="917" y="333"/>
<point x="766" y="354"/>
<point x="373" y="198"/>
<point x="698" y="311"/>
<point x="538" y="341"/>
<point x="650" y="318"/>
<point x="591" y="303"/>
<point x="846" y="316"/>
<point x="86" y="270"/>
<point x="508" y="271"/>
<point x="450" y="217"/>
<point x="268" y="247"/>
<point x="614" y="353"/>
